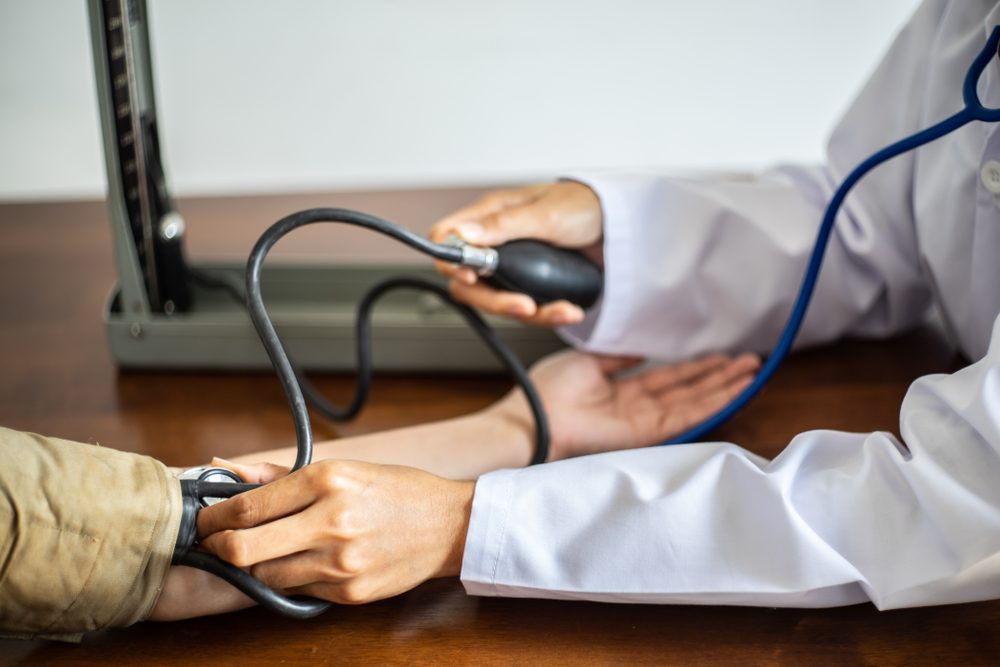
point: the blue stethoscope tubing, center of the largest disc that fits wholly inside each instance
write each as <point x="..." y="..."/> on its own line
<point x="973" y="110"/>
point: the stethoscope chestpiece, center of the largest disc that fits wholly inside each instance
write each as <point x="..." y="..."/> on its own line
<point x="194" y="481"/>
<point x="202" y="487"/>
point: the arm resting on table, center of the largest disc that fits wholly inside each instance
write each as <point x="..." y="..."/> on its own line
<point x="87" y="536"/>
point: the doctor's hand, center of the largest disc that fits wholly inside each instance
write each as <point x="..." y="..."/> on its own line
<point x="590" y="410"/>
<point x="344" y="531"/>
<point x="566" y="214"/>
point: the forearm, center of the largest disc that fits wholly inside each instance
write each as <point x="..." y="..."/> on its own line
<point x="188" y="592"/>
<point x="460" y="448"/>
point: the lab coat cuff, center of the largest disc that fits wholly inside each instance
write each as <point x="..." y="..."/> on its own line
<point x="601" y="330"/>
<point x="484" y="542"/>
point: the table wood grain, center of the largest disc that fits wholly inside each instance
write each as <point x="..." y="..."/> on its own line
<point x="57" y="378"/>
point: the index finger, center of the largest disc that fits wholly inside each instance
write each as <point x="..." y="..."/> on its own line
<point x="272" y="501"/>
<point x="489" y="204"/>
<point x="244" y="548"/>
<point x="473" y="213"/>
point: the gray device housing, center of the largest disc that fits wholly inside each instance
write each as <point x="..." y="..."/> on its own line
<point x="313" y="307"/>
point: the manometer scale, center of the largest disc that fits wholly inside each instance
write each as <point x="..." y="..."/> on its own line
<point x="135" y="170"/>
<point x="166" y="313"/>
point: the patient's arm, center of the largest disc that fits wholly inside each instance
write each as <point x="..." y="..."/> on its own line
<point x="588" y="408"/>
<point x="460" y="448"/>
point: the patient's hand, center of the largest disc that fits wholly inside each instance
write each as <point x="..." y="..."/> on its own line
<point x="590" y="411"/>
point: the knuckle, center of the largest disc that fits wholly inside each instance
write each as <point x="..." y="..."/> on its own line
<point x="438" y="232"/>
<point x="336" y="528"/>
<point x="320" y="467"/>
<point x="325" y="476"/>
<point x="333" y="477"/>
<point x="327" y="572"/>
<point x="499" y="219"/>
<point x="244" y="510"/>
<point x="232" y="548"/>
<point x="354" y="592"/>
<point x="350" y="561"/>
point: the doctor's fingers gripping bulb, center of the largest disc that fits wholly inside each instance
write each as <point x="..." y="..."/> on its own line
<point x="544" y="272"/>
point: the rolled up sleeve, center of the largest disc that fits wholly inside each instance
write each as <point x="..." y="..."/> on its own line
<point x="87" y="536"/>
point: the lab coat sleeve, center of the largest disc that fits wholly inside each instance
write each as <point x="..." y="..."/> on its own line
<point x="694" y="265"/>
<point x="837" y="518"/>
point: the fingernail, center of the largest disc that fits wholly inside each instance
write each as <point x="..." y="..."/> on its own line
<point x="219" y="462"/>
<point x="466" y="276"/>
<point x="471" y="232"/>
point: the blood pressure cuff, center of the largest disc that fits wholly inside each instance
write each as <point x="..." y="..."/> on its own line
<point x="86" y="536"/>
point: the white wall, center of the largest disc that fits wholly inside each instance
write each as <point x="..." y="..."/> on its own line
<point x="257" y="95"/>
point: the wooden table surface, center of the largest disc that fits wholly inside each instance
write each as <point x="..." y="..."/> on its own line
<point x="57" y="378"/>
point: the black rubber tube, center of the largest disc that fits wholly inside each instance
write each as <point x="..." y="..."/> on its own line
<point x="486" y="333"/>
<point x="256" y="590"/>
<point x="298" y="389"/>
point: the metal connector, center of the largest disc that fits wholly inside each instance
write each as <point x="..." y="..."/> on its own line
<point x="483" y="260"/>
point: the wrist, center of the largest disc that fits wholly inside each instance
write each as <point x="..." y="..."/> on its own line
<point x="511" y="428"/>
<point x="457" y="515"/>
<point x="188" y="592"/>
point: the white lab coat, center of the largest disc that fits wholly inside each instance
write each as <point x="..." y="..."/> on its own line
<point x="697" y="265"/>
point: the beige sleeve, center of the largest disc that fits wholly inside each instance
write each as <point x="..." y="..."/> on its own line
<point x="86" y="536"/>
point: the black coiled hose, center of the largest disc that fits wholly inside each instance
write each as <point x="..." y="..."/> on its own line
<point x="299" y="391"/>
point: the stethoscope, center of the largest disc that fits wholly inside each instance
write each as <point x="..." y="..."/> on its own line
<point x="545" y="273"/>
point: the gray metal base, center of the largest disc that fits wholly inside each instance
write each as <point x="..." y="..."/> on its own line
<point x="314" y="308"/>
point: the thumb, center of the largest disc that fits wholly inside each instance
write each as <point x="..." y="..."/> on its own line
<point x="253" y="473"/>
<point x="522" y="222"/>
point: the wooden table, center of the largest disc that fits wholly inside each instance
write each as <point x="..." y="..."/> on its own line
<point x="57" y="378"/>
